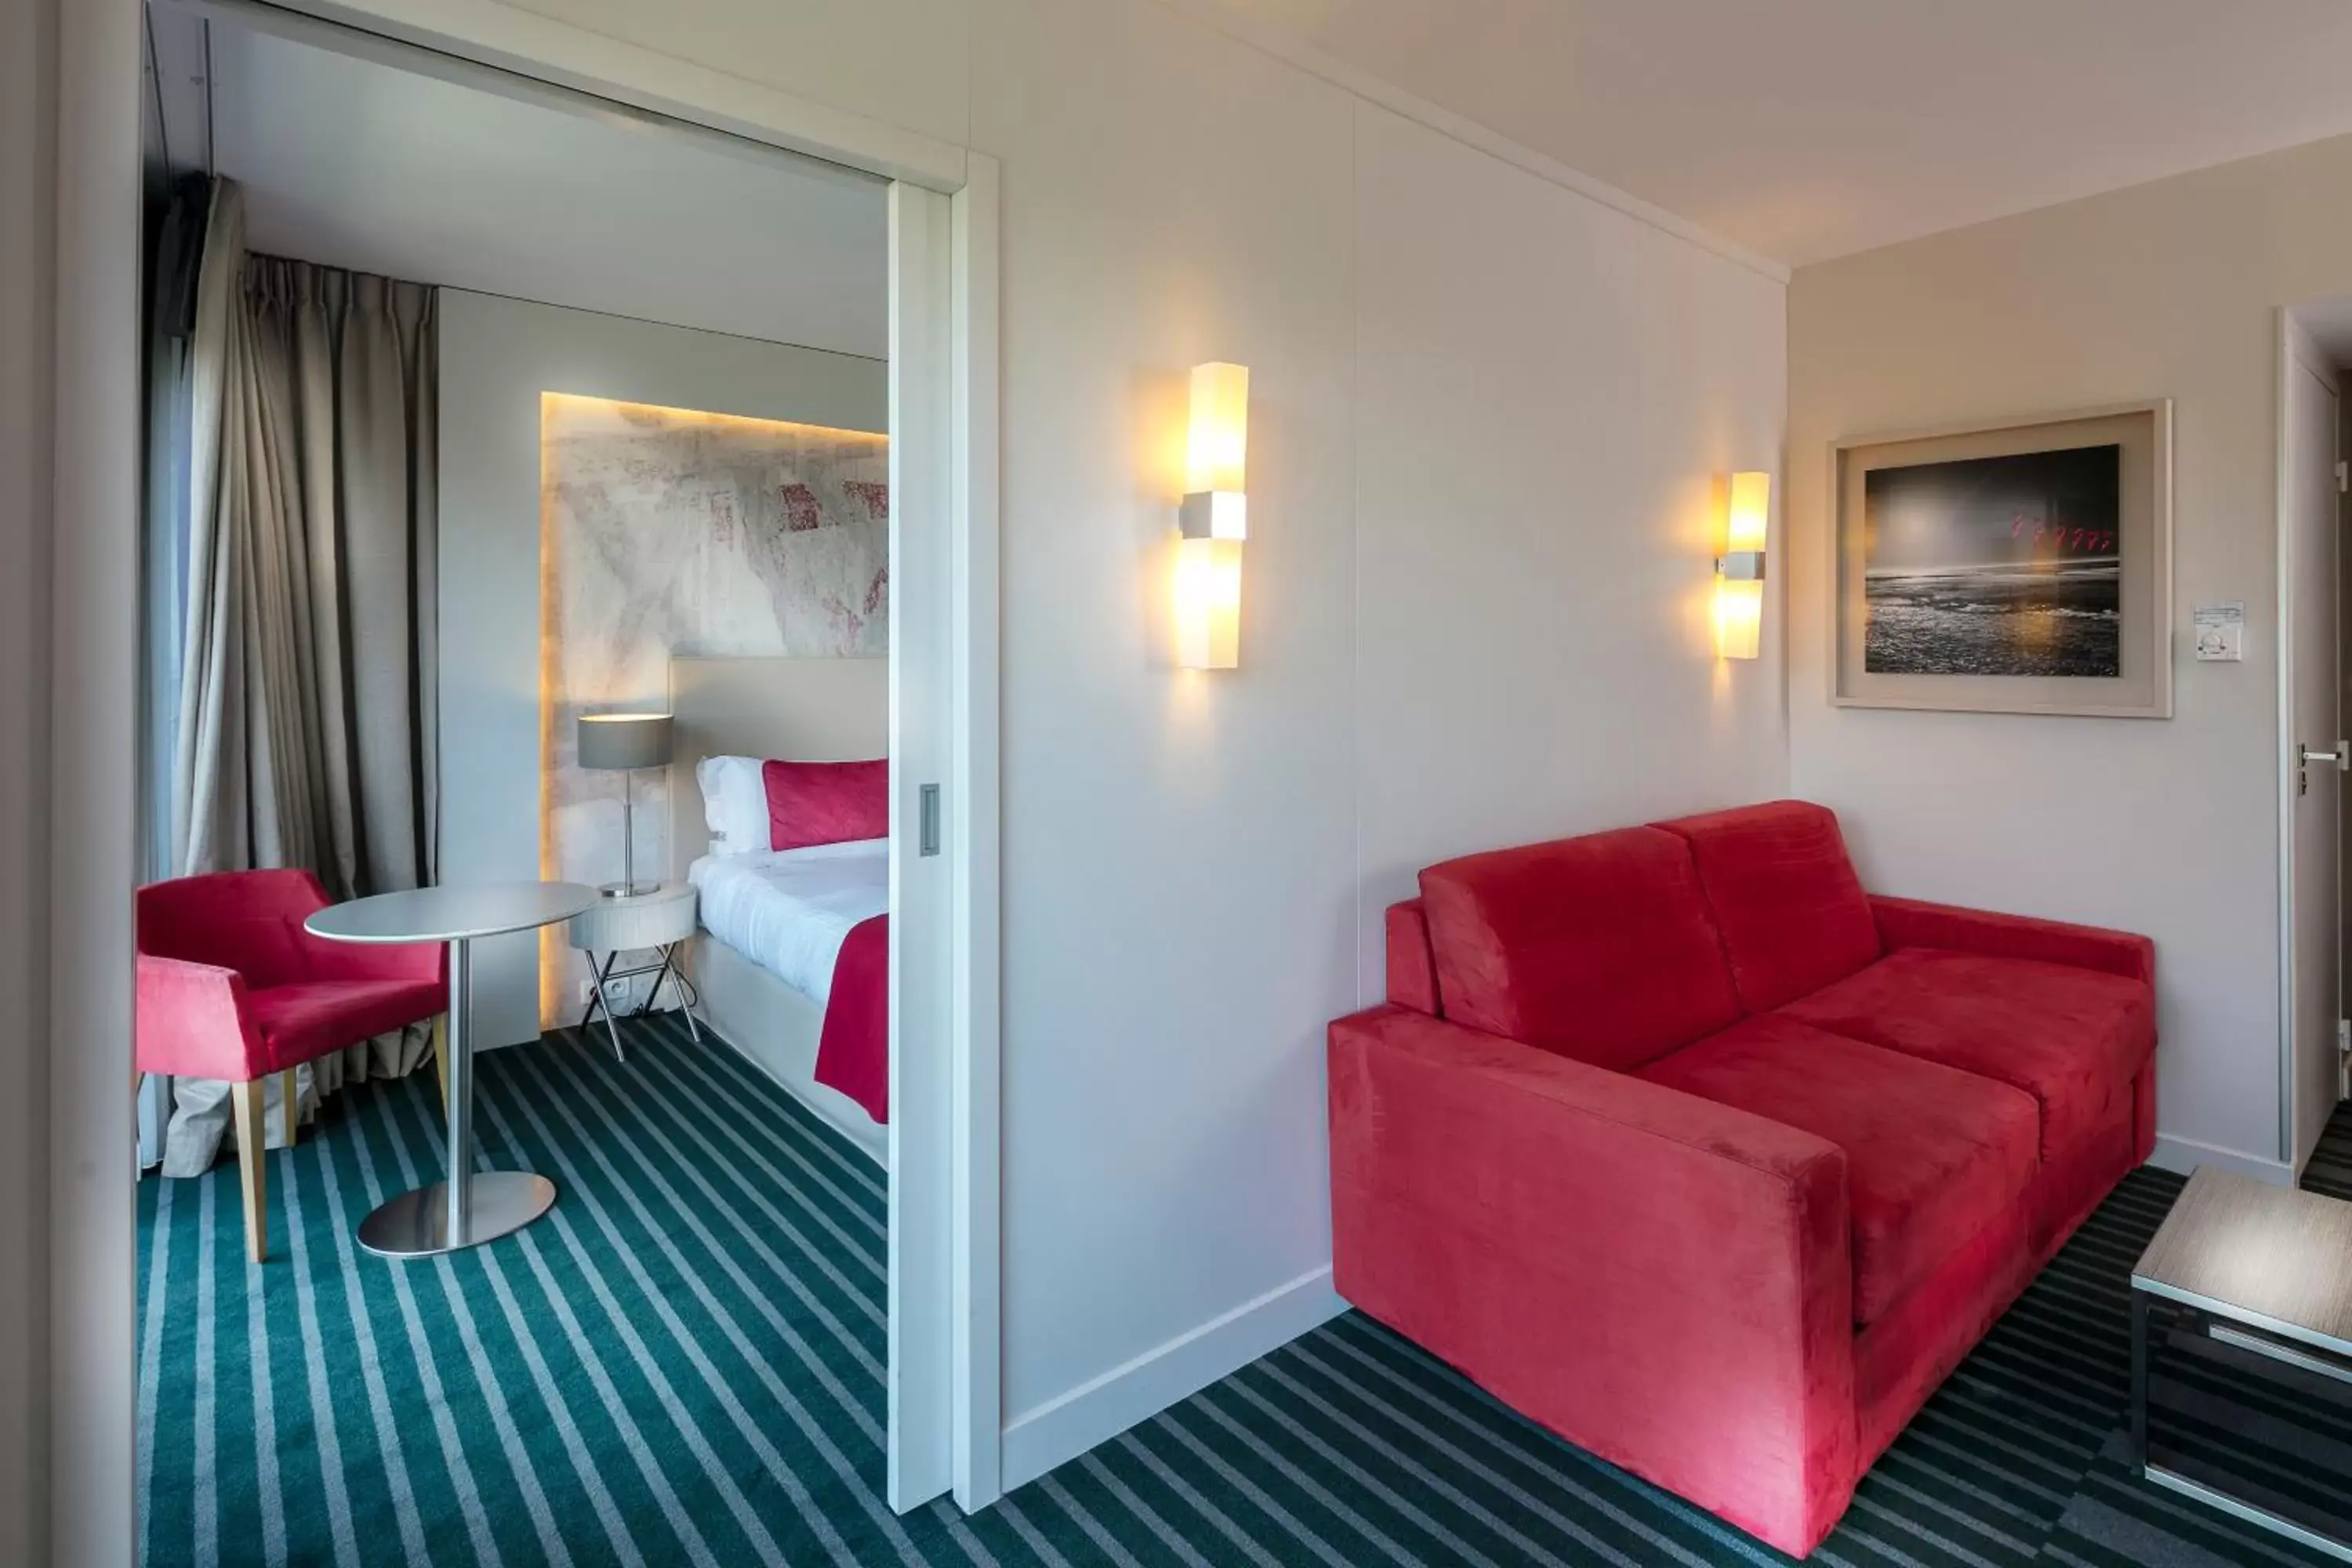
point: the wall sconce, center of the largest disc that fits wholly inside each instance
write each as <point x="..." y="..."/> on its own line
<point x="1740" y="569"/>
<point x="1213" y="519"/>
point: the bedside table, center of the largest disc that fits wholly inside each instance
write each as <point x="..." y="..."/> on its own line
<point x="660" y="920"/>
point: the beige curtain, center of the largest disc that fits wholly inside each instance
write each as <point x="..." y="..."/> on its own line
<point x="308" y="708"/>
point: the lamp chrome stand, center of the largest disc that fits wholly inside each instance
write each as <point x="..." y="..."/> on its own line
<point x="628" y="887"/>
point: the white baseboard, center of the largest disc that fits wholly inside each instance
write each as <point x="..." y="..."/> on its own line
<point x="2185" y="1154"/>
<point x="1100" y="1409"/>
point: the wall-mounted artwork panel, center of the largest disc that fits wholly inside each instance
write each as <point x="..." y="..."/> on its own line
<point x="667" y="532"/>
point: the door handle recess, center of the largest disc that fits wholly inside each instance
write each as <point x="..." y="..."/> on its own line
<point x="926" y="832"/>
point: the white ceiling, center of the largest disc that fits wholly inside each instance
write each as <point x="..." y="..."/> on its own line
<point x="1807" y="128"/>
<point x="364" y="165"/>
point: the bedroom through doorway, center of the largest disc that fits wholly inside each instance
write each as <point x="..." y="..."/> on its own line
<point x="531" y="778"/>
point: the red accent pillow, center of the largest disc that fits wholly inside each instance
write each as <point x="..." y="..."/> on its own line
<point x="826" y="803"/>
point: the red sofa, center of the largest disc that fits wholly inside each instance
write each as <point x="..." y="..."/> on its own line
<point x="1681" y="1143"/>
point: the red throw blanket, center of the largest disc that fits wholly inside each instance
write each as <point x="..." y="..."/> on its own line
<point x="853" y="1053"/>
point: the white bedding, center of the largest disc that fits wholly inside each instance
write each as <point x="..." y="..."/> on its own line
<point x="788" y="911"/>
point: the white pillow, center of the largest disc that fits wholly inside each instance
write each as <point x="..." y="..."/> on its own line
<point x="734" y="803"/>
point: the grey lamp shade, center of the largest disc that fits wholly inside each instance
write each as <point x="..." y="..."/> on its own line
<point x="623" y="739"/>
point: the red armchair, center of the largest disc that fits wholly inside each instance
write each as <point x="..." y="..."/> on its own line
<point x="232" y="988"/>
<point x="1681" y="1143"/>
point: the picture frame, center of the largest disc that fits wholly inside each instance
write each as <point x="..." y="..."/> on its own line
<point x="2006" y="566"/>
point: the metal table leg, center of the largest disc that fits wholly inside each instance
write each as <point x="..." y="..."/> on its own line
<point x="2173" y="1472"/>
<point x="467" y="1207"/>
<point x="688" y="996"/>
<point x="600" y="997"/>
<point x="2139" y="1382"/>
<point x="672" y="971"/>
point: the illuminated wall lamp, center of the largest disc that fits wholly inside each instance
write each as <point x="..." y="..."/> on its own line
<point x="1213" y="519"/>
<point x="1740" y="569"/>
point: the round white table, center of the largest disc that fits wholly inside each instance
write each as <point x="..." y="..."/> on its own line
<point x="467" y="1207"/>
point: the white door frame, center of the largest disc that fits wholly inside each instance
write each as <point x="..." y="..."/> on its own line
<point x="2296" y="351"/>
<point x="944" y="1193"/>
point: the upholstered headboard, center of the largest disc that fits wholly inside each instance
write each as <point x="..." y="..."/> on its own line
<point x="800" y="709"/>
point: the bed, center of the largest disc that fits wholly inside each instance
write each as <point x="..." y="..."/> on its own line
<point x="772" y="924"/>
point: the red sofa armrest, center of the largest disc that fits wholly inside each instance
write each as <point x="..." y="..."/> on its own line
<point x="1660" y="1278"/>
<point x="193" y="1021"/>
<point x="1908" y="923"/>
<point x="1412" y="968"/>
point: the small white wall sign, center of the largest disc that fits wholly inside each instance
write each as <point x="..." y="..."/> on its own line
<point x="2220" y="631"/>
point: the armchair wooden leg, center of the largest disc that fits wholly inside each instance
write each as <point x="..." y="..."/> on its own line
<point x="441" y="1056"/>
<point x="287" y="1097"/>
<point x="252" y="1166"/>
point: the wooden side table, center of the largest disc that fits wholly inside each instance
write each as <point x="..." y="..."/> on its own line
<point x="660" y="921"/>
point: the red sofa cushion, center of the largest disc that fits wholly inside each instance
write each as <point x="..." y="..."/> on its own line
<point x="1933" y="1154"/>
<point x="2072" y="1039"/>
<point x="301" y="1023"/>
<point x="1599" y="948"/>
<point x="1792" y="913"/>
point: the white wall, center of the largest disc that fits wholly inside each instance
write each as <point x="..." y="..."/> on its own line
<point x="1544" y="412"/>
<point x="1180" y="883"/>
<point x="496" y="356"/>
<point x="1486" y="414"/>
<point x="2163" y="826"/>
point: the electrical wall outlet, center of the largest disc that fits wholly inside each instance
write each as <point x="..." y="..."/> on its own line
<point x="587" y="991"/>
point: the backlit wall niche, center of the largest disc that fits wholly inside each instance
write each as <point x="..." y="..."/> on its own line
<point x="667" y="532"/>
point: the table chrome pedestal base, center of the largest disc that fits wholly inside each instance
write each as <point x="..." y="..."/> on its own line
<point x="416" y="1223"/>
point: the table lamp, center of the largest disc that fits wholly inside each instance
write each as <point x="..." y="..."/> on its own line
<point x="625" y="742"/>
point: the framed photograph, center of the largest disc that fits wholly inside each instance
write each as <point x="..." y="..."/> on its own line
<point x="2016" y="567"/>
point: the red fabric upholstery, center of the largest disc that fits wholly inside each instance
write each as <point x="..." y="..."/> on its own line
<point x="266" y="949"/>
<point x="195" y="1020"/>
<point x="247" y="920"/>
<point x="1659" y="1278"/>
<point x="1931" y="1153"/>
<point x="300" y="1023"/>
<point x="1908" y="922"/>
<point x="1413" y="974"/>
<point x="1599" y="948"/>
<point x="826" y="803"/>
<point x="1739" y="1262"/>
<point x="852" y="1043"/>
<point x="2072" y="1039"/>
<point x="1791" y="910"/>
<point x="231" y="986"/>
<point x="1901" y="1359"/>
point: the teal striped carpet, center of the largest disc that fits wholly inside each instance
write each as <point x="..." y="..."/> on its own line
<point x="682" y="1363"/>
